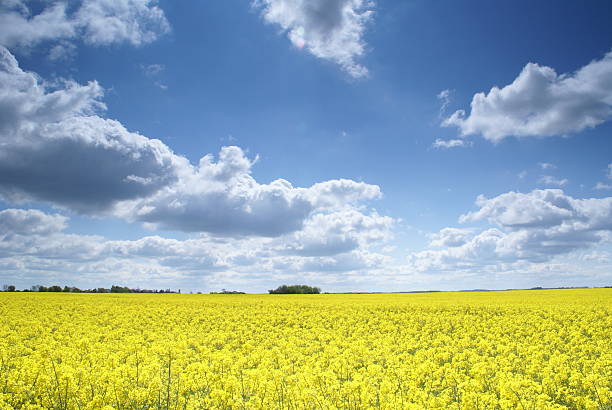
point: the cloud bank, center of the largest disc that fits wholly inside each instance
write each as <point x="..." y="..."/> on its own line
<point x="534" y="227"/>
<point x="541" y="103"/>
<point x="35" y="245"/>
<point x="328" y="29"/>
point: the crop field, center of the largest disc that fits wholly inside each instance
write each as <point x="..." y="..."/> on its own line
<point x="518" y="349"/>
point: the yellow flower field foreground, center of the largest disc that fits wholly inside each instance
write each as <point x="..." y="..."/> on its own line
<point x="518" y="349"/>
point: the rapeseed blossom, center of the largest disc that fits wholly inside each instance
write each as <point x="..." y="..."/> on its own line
<point x="546" y="349"/>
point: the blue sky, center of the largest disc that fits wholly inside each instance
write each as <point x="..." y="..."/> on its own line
<point x="355" y="145"/>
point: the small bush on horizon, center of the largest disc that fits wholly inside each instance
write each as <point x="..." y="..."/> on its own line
<point x="295" y="289"/>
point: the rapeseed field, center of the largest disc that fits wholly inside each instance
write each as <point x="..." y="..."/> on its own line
<point x="496" y="350"/>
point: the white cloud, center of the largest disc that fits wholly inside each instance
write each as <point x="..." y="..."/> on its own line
<point x="111" y="21"/>
<point x="596" y="256"/>
<point x="338" y="232"/>
<point x="223" y="198"/>
<point x="29" y="222"/>
<point x="539" y="208"/>
<point x="445" y="99"/>
<point x="340" y="191"/>
<point x="603" y="186"/>
<point x="550" y="180"/>
<point x="64" y="51"/>
<point x="540" y="103"/>
<point x="33" y="243"/>
<point x="152" y="70"/>
<point x="97" y="22"/>
<point x="452" y="143"/>
<point x="600" y="186"/>
<point x="547" y="165"/>
<point x="56" y="148"/>
<point x="329" y="29"/>
<point x="531" y="228"/>
<point x="451" y="237"/>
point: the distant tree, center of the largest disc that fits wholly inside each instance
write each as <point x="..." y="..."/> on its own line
<point x="10" y="288"/>
<point x="54" y="288"/>
<point x="295" y="289"/>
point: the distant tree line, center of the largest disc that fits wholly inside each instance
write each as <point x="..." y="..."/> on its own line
<point x="295" y="289"/>
<point x="72" y="289"/>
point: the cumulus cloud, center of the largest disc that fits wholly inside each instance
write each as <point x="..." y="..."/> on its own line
<point x="452" y="143"/>
<point x="57" y="148"/>
<point x="51" y="136"/>
<point x="539" y="208"/>
<point x="532" y="227"/>
<point x="328" y="29"/>
<point x="338" y="232"/>
<point x="222" y="197"/>
<point x="97" y="22"/>
<point x="540" y="102"/>
<point x="451" y="237"/>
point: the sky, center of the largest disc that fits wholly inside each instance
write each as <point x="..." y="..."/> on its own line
<point x="353" y="145"/>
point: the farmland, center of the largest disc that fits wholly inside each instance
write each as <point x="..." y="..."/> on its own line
<point x="516" y="349"/>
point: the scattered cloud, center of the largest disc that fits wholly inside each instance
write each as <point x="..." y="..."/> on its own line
<point x="547" y="166"/>
<point x="550" y="180"/>
<point x="522" y="174"/>
<point x="603" y="185"/>
<point x="541" y="103"/>
<point x="452" y="143"/>
<point x="445" y="99"/>
<point x="328" y="29"/>
<point x="64" y="51"/>
<point x="96" y="22"/>
<point x="152" y="70"/>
